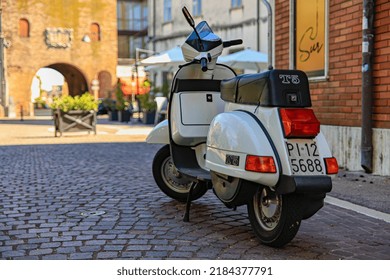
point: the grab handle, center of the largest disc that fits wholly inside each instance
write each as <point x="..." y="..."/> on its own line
<point x="230" y="43"/>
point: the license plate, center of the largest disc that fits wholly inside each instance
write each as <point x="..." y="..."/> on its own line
<point x="304" y="157"/>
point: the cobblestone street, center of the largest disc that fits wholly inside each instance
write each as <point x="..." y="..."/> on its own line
<point x="99" y="201"/>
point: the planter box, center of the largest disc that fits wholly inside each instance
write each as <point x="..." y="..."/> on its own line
<point x="113" y="115"/>
<point x="74" y="121"/>
<point x="149" y="117"/>
<point x="124" y="116"/>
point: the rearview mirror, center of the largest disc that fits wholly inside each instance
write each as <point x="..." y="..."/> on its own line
<point x="188" y="17"/>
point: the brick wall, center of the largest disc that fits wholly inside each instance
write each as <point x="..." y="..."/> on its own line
<point x="337" y="101"/>
<point x="382" y="65"/>
<point x="26" y="55"/>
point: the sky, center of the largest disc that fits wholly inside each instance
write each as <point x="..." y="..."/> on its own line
<point x="49" y="78"/>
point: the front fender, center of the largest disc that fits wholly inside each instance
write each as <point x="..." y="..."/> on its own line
<point x="159" y="134"/>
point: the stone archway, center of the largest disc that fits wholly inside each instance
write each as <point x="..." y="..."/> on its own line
<point x="77" y="83"/>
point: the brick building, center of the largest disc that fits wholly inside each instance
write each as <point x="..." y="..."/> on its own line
<point x="76" y="38"/>
<point x="336" y="86"/>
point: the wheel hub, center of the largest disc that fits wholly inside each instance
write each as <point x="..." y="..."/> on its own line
<point x="268" y="207"/>
<point x="173" y="178"/>
<point x="225" y="190"/>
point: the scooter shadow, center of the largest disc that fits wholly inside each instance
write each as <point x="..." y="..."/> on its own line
<point x="216" y="221"/>
<point x="206" y="211"/>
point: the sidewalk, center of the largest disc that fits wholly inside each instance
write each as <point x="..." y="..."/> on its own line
<point x="363" y="189"/>
<point x="40" y="130"/>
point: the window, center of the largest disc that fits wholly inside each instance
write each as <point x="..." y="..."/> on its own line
<point x="310" y="41"/>
<point x="127" y="45"/>
<point x="95" y="32"/>
<point x="197" y="7"/>
<point x="132" y="15"/>
<point x="167" y="10"/>
<point x="24" y="28"/>
<point x="236" y="3"/>
<point x="132" y="19"/>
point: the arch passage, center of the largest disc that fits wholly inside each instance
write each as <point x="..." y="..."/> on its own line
<point x="77" y="83"/>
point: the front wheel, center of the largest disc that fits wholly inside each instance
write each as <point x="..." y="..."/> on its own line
<point x="170" y="181"/>
<point x="275" y="218"/>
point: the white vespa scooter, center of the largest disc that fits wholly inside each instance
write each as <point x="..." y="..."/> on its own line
<point x="250" y="138"/>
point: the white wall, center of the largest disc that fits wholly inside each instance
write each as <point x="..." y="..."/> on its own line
<point x="345" y="145"/>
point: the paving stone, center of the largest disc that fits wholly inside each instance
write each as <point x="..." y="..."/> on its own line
<point x="66" y="250"/>
<point x="107" y="255"/>
<point x="85" y="249"/>
<point x="39" y="252"/>
<point x="138" y="221"/>
<point x="71" y="243"/>
<point x="50" y="245"/>
<point x="54" y="257"/>
<point x="81" y="256"/>
<point x="96" y="242"/>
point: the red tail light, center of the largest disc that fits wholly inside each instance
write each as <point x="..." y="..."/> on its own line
<point x="260" y="164"/>
<point x="331" y="165"/>
<point x="299" y="123"/>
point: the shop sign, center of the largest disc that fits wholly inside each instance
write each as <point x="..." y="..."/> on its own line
<point x="310" y="36"/>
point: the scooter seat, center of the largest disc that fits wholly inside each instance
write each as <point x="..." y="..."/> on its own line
<point x="274" y="88"/>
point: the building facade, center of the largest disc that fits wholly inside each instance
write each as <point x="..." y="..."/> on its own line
<point x="79" y="39"/>
<point x="330" y="45"/>
<point x="230" y="19"/>
<point x="132" y="27"/>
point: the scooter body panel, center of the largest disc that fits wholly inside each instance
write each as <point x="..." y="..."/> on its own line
<point x="249" y="130"/>
<point x="193" y="105"/>
<point x="190" y="124"/>
<point x="159" y="134"/>
<point x="233" y="136"/>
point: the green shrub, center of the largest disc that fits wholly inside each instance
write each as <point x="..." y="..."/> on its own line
<point x="147" y="102"/>
<point x="85" y="102"/>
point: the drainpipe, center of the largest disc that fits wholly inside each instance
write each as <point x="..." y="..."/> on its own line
<point x="367" y="89"/>
<point x="2" y="78"/>
<point x="258" y="26"/>
<point x="154" y="25"/>
<point x="269" y="9"/>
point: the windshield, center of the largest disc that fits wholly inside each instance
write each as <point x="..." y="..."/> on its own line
<point x="208" y="39"/>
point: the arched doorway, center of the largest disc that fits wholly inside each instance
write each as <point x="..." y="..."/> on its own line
<point x="55" y="80"/>
<point x="76" y="82"/>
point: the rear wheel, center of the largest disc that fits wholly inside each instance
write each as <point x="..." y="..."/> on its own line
<point x="173" y="183"/>
<point x="275" y="218"/>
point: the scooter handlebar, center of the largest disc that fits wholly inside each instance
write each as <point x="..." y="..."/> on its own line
<point x="230" y="43"/>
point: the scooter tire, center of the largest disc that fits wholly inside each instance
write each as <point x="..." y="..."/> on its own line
<point x="275" y="218"/>
<point x="171" y="181"/>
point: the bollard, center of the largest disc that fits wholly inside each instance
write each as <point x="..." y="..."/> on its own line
<point x="21" y="112"/>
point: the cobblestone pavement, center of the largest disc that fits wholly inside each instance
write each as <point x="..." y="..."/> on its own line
<point x="99" y="201"/>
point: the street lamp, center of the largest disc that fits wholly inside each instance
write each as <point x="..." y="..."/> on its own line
<point x="137" y="57"/>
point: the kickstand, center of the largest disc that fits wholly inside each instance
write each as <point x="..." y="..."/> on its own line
<point x="188" y="205"/>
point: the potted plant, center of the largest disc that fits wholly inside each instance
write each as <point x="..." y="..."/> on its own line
<point x="148" y="107"/>
<point x="122" y="105"/>
<point x="110" y="104"/>
<point x="74" y="113"/>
